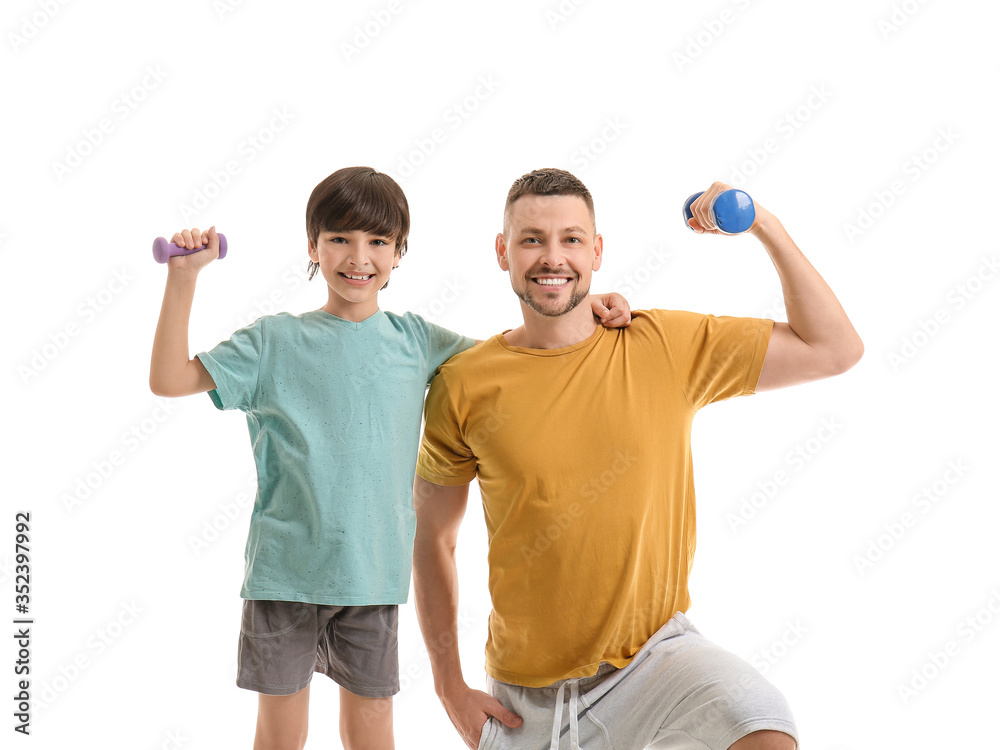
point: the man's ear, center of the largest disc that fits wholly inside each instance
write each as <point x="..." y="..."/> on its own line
<point x="598" y="251"/>
<point x="501" y="246"/>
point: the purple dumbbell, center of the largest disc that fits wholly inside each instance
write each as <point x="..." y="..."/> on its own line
<point x="163" y="249"/>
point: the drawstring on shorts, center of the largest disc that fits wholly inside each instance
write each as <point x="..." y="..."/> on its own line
<point x="574" y="728"/>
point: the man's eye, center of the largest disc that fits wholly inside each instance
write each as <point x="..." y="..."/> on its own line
<point x="573" y="239"/>
<point x="530" y="239"/>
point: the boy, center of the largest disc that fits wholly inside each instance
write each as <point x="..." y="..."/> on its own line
<point x="333" y="399"/>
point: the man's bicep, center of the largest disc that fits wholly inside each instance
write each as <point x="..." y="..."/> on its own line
<point x="790" y="360"/>
<point x="440" y="508"/>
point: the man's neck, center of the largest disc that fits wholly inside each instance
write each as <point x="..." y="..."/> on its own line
<point x="543" y="332"/>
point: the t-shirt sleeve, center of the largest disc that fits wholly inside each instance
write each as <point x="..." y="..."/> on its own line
<point x="441" y="345"/>
<point x="444" y="456"/>
<point x="715" y="358"/>
<point x="234" y="366"/>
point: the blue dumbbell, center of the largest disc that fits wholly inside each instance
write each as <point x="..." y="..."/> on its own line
<point x="732" y="211"/>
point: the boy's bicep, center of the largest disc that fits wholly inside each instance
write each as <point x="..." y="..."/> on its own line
<point x="197" y="378"/>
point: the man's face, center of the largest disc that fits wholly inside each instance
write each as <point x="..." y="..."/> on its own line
<point x="551" y="252"/>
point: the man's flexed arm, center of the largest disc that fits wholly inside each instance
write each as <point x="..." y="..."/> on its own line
<point x="818" y="340"/>
<point x="439" y="512"/>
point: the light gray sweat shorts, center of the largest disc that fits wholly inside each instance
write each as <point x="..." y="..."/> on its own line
<point x="680" y="691"/>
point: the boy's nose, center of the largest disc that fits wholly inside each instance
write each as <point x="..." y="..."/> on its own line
<point x="358" y="256"/>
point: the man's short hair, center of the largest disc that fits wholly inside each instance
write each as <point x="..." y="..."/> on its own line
<point x="548" y="181"/>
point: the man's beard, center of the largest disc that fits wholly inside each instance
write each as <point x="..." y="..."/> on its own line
<point x="547" y="310"/>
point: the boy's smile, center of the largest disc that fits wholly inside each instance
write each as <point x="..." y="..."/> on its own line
<point x="356" y="265"/>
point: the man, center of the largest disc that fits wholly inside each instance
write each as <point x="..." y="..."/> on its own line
<point x="589" y="578"/>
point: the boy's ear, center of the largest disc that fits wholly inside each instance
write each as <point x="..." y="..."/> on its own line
<point x="313" y="252"/>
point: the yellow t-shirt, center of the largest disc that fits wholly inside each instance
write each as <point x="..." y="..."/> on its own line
<point x="584" y="463"/>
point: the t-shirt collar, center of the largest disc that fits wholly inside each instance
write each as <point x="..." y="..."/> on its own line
<point x="587" y="342"/>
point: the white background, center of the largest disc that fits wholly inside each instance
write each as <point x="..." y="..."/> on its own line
<point x="815" y="109"/>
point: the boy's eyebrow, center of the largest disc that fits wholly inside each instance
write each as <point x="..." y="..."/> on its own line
<point x="348" y="231"/>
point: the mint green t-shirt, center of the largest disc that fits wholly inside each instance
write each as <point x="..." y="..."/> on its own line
<point x="334" y="413"/>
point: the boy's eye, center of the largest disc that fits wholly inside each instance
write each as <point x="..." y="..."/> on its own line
<point x="379" y="242"/>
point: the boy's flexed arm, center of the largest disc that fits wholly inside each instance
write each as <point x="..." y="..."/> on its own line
<point x="171" y="371"/>
<point x="439" y="512"/>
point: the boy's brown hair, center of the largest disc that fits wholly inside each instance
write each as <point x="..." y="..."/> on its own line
<point x="358" y="199"/>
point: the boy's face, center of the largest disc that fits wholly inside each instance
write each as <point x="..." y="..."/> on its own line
<point x="356" y="265"/>
<point x="551" y="252"/>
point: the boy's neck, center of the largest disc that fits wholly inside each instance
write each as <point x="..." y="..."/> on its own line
<point x="354" y="312"/>
<point x="545" y="332"/>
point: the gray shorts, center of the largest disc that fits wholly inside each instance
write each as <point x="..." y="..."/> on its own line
<point x="680" y="691"/>
<point x="283" y="643"/>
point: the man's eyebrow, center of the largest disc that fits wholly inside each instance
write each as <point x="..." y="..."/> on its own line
<point x="567" y="230"/>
